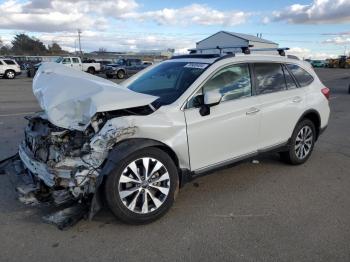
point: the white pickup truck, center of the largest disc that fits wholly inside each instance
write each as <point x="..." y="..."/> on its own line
<point x="70" y="61"/>
<point x="76" y="63"/>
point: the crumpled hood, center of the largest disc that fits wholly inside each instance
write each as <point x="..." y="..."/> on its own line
<point x="71" y="97"/>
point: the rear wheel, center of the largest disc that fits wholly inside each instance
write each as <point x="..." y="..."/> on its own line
<point x="120" y="74"/>
<point x="301" y="144"/>
<point x="91" y="70"/>
<point x="10" y="74"/>
<point x="143" y="186"/>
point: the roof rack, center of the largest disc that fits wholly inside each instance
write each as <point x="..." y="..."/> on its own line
<point x="245" y="49"/>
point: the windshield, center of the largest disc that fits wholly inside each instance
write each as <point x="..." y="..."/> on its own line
<point x="168" y="80"/>
<point x="58" y="60"/>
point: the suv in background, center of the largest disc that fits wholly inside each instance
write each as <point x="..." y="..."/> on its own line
<point x="125" y="67"/>
<point x="182" y="118"/>
<point x="9" y="68"/>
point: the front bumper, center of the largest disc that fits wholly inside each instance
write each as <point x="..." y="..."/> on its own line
<point x="35" y="184"/>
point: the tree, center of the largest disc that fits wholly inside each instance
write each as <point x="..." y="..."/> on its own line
<point x="55" y="49"/>
<point x="22" y="44"/>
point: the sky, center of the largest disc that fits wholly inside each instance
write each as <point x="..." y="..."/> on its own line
<point x="311" y="28"/>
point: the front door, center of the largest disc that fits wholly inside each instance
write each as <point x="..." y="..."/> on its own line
<point x="231" y="129"/>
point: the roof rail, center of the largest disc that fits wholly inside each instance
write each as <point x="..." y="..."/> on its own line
<point x="244" y="48"/>
<point x="194" y="55"/>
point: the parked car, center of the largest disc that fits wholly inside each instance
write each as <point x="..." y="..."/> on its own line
<point x="88" y="66"/>
<point x="344" y="62"/>
<point x="9" y="68"/>
<point x="138" y="143"/>
<point x="318" y="63"/>
<point x="125" y="67"/>
<point x="103" y="64"/>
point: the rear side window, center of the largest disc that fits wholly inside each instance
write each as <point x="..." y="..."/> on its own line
<point x="289" y="79"/>
<point x="9" y="62"/>
<point x="303" y="77"/>
<point x="1" y="63"/>
<point x="269" y="78"/>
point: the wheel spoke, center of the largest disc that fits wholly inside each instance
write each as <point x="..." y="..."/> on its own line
<point x="156" y="168"/>
<point x="145" y="202"/>
<point x="155" y="200"/>
<point x="132" y="204"/>
<point x="145" y="162"/>
<point x="135" y="170"/>
<point x="161" y="178"/>
<point x="164" y="190"/>
<point x="125" y="193"/>
<point x="126" y="179"/>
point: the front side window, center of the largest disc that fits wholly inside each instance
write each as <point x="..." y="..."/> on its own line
<point x="168" y="80"/>
<point x="303" y="77"/>
<point x="1" y="63"/>
<point x="75" y="60"/>
<point x="9" y="62"/>
<point x="232" y="82"/>
<point x="269" y="78"/>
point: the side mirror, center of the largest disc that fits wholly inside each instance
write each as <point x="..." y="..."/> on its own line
<point x="211" y="98"/>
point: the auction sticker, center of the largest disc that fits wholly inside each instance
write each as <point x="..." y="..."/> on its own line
<point x="196" y="65"/>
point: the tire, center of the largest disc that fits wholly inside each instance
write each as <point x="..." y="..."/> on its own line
<point x="296" y="154"/>
<point x="91" y="70"/>
<point x="131" y="207"/>
<point x="10" y="74"/>
<point x="120" y="74"/>
<point x="109" y="76"/>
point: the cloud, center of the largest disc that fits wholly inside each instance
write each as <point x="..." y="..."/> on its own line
<point x="339" y="40"/>
<point x="192" y="14"/>
<point x="305" y="53"/>
<point x="318" y="12"/>
<point x="61" y="15"/>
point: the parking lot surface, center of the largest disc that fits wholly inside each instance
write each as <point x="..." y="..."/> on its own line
<point x="266" y="211"/>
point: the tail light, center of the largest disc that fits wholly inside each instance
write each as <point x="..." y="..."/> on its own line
<point x="326" y="92"/>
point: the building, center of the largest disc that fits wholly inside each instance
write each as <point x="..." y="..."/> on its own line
<point x="224" y="39"/>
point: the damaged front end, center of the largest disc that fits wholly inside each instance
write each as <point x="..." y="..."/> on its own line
<point x="61" y="159"/>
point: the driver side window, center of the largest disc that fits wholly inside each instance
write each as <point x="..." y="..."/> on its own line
<point x="232" y="82"/>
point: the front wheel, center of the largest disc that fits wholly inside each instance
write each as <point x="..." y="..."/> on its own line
<point x="143" y="186"/>
<point x="301" y="144"/>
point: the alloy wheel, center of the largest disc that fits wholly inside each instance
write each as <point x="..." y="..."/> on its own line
<point x="144" y="185"/>
<point x="303" y="142"/>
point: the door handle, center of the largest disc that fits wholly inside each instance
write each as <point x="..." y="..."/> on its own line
<point x="252" y="111"/>
<point x="297" y="99"/>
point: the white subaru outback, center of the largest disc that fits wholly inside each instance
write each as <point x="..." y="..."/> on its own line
<point x="134" y="145"/>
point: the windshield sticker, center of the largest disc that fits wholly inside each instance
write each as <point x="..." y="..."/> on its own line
<point x="196" y="65"/>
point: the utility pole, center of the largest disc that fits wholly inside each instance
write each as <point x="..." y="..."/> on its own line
<point x="79" y="33"/>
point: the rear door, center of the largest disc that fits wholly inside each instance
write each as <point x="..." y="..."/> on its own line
<point x="231" y="129"/>
<point x="281" y="103"/>
<point x="67" y="62"/>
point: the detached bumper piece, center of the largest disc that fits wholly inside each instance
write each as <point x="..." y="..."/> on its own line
<point x="32" y="191"/>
